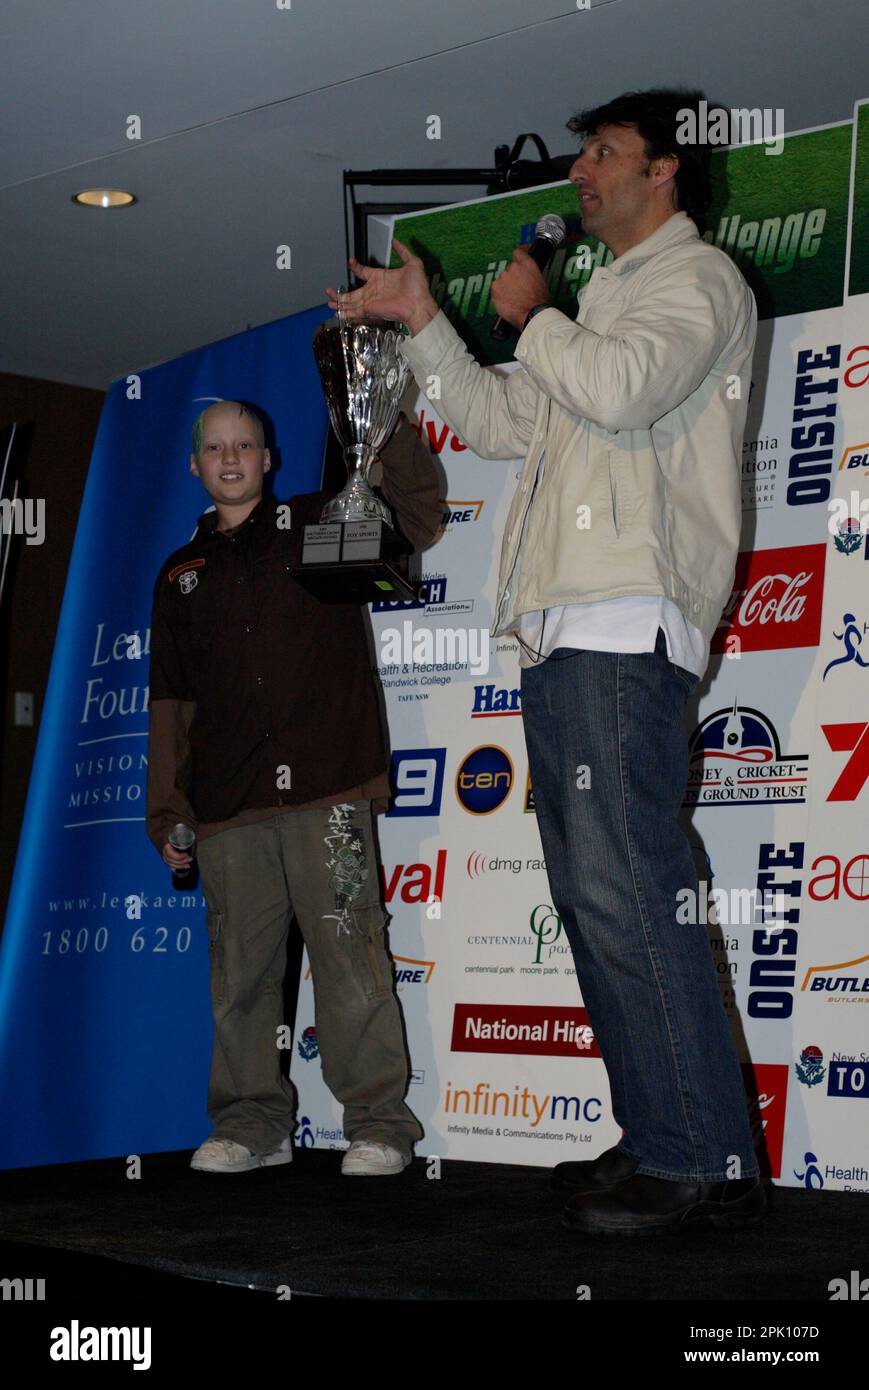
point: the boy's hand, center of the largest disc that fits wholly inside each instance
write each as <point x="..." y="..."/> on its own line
<point x="176" y="858"/>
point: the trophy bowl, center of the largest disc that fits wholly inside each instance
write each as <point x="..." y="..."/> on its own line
<point x="363" y="375"/>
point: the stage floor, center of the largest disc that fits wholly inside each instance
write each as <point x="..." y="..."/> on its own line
<point x="480" y="1231"/>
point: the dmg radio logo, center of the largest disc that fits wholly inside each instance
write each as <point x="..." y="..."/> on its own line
<point x="484" y="780"/>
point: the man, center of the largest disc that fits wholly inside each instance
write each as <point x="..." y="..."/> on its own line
<point x="617" y="560"/>
<point x="266" y="737"/>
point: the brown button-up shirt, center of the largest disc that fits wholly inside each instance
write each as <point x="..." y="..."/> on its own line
<point x="250" y="674"/>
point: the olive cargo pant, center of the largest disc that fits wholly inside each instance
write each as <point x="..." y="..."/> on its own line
<point x="322" y="865"/>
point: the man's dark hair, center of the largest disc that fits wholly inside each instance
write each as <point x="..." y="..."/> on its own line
<point x="655" y="114"/>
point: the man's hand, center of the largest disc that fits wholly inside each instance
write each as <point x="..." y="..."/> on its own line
<point x="401" y="293"/>
<point x="176" y="858"/>
<point x="518" y="288"/>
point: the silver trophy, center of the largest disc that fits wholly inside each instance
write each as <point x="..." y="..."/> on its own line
<point x="363" y="376"/>
<point x="356" y="553"/>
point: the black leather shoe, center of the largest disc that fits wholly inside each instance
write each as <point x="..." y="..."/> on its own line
<point x="593" y="1174"/>
<point x="645" y="1204"/>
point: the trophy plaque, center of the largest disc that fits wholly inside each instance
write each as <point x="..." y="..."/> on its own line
<point x="356" y="554"/>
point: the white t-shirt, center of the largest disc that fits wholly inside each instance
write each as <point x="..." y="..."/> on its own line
<point x="628" y="624"/>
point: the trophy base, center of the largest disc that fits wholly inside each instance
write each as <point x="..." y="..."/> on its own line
<point x="356" y="562"/>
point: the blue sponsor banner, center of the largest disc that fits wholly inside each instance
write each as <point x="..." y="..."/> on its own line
<point x="105" y="1019"/>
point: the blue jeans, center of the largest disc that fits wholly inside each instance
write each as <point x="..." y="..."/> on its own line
<point x="616" y="859"/>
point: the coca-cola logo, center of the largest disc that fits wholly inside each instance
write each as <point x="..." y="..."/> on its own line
<point x="775" y="601"/>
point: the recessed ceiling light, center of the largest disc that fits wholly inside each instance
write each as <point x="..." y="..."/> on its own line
<point x="104" y="198"/>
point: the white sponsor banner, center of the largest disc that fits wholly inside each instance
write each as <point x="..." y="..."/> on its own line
<point x="504" y="1065"/>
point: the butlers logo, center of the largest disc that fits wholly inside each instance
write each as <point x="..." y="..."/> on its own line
<point x="775" y="602"/>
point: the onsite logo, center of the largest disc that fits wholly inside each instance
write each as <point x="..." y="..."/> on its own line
<point x="534" y="1030"/>
<point x="838" y="986"/>
<point x="734" y="756"/>
<point x="484" y="780"/>
<point x="810" y="1068"/>
<point x="766" y="1084"/>
<point x="775" y="602"/>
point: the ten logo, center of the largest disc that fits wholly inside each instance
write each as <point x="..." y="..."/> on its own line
<point x="484" y="780"/>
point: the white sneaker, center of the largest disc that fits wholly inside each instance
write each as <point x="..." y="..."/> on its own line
<point x="225" y="1156"/>
<point x="367" y="1159"/>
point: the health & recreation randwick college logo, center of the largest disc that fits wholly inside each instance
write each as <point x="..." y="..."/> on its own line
<point x="734" y="757"/>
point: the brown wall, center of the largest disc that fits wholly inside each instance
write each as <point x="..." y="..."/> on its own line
<point x="64" y="424"/>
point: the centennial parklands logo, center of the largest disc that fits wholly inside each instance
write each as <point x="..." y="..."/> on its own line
<point x="484" y="780"/>
<point x="546" y="926"/>
<point x="735" y="758"/>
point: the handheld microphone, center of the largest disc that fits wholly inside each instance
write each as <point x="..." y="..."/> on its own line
<point x="550" y="233"/>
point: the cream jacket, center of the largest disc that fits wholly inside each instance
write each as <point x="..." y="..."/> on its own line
<point x="640" y="405"/>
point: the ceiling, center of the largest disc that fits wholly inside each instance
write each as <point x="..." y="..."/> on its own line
<point x="250" y="113"/>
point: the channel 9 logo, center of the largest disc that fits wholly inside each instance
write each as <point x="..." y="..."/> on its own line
<point x="417" y="781"/>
